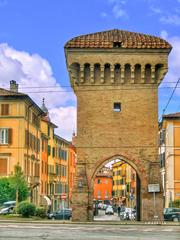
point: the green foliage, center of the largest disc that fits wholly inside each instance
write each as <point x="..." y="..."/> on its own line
<point x="175" y="203"/>
<point x="13" y="184"/>
<point x="5" y="190"/>
<point x="40" y="212"/>
<point x="26" y="209"/>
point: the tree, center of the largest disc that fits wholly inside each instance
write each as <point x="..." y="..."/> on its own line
<point x="5" y="190"/>
<point x="18" y="184"/>
<point x="14" y="187"/>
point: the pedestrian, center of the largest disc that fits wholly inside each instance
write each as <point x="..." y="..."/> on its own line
<point x="119" y="210"/>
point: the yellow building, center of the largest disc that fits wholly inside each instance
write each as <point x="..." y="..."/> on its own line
<point x="170" y="157"/>
<point x="119" y="181"/>
<point x="27" y="137"/>
<point x="62" y="150"/>
<point x="48" y="171"/>
<point x="124" y="184"/>
<point x="20" y="137"/>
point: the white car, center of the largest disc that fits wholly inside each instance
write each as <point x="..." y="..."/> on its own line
<point x="109" y="210"/>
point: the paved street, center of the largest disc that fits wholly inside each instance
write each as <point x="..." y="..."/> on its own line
<point x="102" y="217"/>
<point x="24" y="231"/>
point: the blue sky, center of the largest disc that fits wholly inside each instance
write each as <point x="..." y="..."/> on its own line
<point x="33" y="34"/>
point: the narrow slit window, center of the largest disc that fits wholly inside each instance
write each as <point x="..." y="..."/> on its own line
<point x="117" y="107"/>
<point x="117" y="44"/>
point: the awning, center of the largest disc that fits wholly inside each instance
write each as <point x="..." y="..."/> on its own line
<point x="48" y="200"/>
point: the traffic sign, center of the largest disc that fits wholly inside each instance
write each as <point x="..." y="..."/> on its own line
<point x="131" y="197"/>
<point x="153" y="188"/>
<point x="63" y="196"/>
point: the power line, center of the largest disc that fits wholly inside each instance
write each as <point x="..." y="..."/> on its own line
<point x="96" y="90"/>
<point x="68" y="86"/>
<point x="170" y="97"/>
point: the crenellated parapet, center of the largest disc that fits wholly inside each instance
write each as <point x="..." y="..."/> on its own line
<point x="116" y="73"/>
<point x="116" y="57"/>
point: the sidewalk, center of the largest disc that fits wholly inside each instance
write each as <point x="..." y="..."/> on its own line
<point x="46" y="221"/>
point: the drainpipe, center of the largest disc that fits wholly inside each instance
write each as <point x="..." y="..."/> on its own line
<point x="37" y="131"/>
<point x="27" y="150"/>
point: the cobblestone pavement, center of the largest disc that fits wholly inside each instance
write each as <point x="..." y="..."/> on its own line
<point x="27" y="231"/>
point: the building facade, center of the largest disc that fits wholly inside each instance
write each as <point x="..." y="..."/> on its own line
<point x="103" y="185"/>
<point x="27" y="138"/>
<point x="170" y="157"/>
<point x="20" y="137"/>
<point x="124" y="184"/>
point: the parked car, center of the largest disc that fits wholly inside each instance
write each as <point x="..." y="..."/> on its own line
<point x="62" y="214"/>
<point x="7" y="207"/>
<point x="9" y="204"/>
<point x="172" y="214"/>
<point x="7" y="210"/>
<point x="109" y="210"/>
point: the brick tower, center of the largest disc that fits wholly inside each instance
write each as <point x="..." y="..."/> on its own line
<point x="115" y="75"/>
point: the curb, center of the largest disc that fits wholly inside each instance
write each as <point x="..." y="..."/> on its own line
<point x="50" y="222"/>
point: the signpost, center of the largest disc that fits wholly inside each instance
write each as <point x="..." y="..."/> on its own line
<point x="131" y="197"/>
<point x="153" y="188"/>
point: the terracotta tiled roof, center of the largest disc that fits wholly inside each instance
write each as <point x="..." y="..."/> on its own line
<point x="172" y="115"/>
<point x="110" y="39"/>
<point x="4" y="92"/>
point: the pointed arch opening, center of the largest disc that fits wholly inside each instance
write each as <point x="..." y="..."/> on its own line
<point x="116" y="184"/>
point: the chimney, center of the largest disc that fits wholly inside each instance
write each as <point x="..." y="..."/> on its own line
<point x="13" y="86"/>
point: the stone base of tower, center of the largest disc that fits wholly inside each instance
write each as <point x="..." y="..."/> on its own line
<point x="152" y="209"/>
<point x="80" y="207"/>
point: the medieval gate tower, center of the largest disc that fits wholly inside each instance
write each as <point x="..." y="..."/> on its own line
<point x="115" y="76"/>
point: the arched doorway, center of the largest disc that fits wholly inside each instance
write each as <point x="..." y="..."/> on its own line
<point x="130" y="198"/>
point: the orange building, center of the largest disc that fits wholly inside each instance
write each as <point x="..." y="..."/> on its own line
<point x="170" y="157"/>
<point x="103" y="185"/>
<point x="72" y="169"/>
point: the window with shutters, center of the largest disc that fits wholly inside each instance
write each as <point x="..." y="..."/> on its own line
<point x="3" y="166"/>
<point x="26" y="138"/>
<point x="26" y="112"/>
<point x="49" y="150"/>
<point x="98" y="181"/>
<point x="4" y="109"/>
<point x="5" y="135"/>
<point x="106" y="193"/>
<point x="99" y="194"/>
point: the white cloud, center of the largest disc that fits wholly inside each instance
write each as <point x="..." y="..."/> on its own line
<point x="175" y="56"/>
<point x="156" y="10"/>
<point x="174" y="63"/>
<point x="118" y="10"/>
<point x="171" y="78"/>
<point x="164" y="34"/>
<point x="103" y="14"/>
<point x="65" y="118"/>
<point x="30" y="72"/>
<point x="170" y="19"/>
